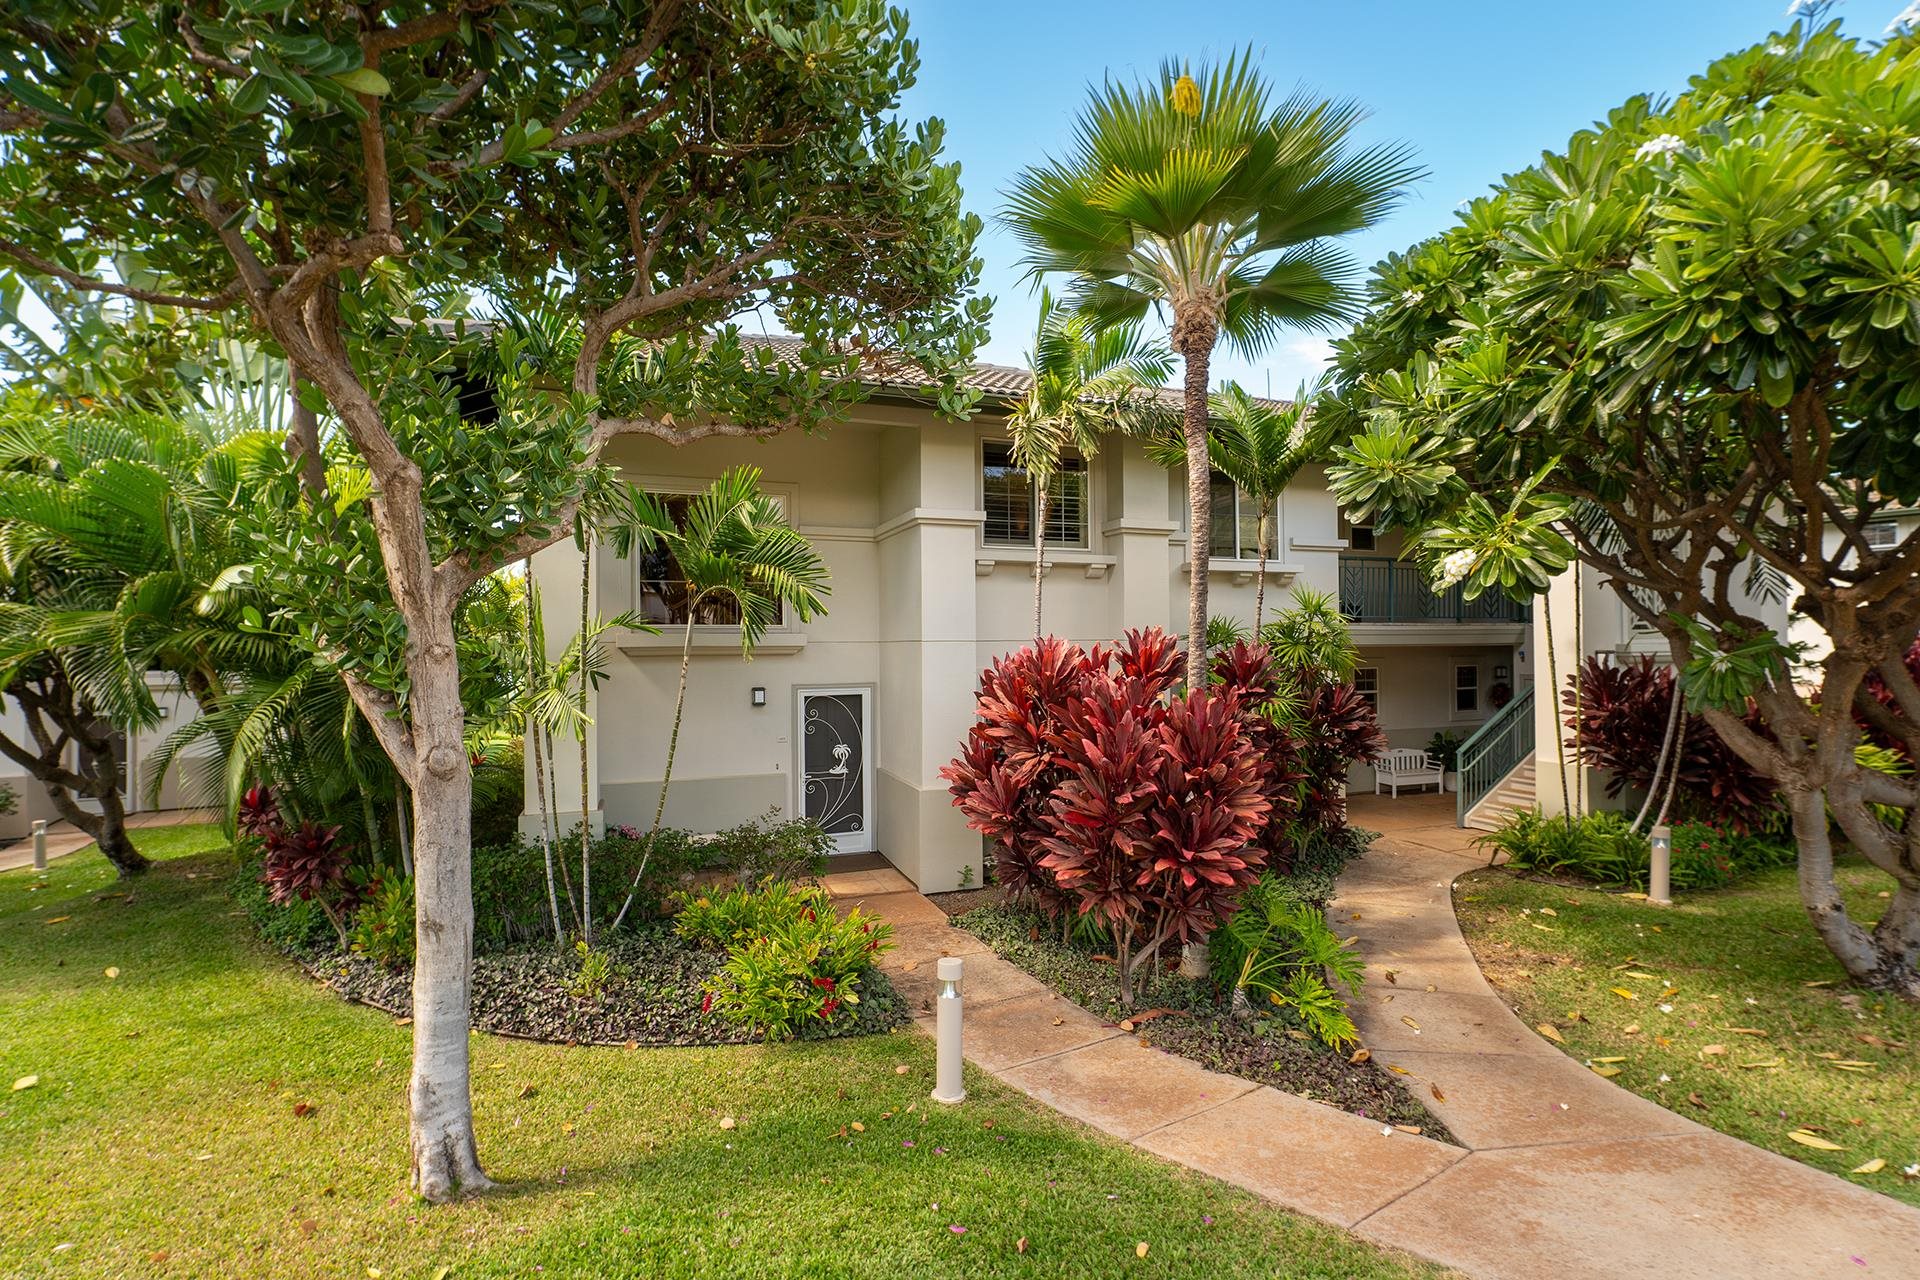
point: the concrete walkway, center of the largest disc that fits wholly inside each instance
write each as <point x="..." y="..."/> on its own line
<point x="64" y="838"/>
<point x="1561" y="1173"/>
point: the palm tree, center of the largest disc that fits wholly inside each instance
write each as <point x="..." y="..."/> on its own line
<point x="734" y="553"/>
<point x="1086" y="381"/>
<point x="1260" y="445"/>
<point x="1204" y="199"/>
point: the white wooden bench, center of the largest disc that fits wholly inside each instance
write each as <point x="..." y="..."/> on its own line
<point x="1407" y="767"/>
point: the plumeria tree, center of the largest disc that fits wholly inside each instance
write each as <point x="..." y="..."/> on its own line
<point x="1202" y="197"/>
<point x="1685" y="348"/>
<point x="341" y="179"/>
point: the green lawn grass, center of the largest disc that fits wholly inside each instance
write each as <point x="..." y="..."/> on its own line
<point x="162" y="1138"/>
<point x="1750" y="977"/>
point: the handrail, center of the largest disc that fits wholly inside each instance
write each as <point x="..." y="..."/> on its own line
<point x="1492" y="752"/>
<point x="1383" y="589"/>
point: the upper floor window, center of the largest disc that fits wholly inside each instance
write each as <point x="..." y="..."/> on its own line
<point x="1236" y="522"/>
<point x="1366" y="683"/>
<point x="1006" y="494"/>
<point x="1881" y="535"/>
<point x="662" y="594"/>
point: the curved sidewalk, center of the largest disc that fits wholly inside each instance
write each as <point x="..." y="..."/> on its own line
<point x="1560" y="1174"/>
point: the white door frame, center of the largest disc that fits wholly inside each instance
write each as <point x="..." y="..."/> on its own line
<point x="861" y="841"/>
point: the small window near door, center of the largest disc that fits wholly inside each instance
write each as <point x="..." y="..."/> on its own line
<point x="1366" y="683"/>
<point x="1360" y="537"/>
<point x="1466" y="688"/>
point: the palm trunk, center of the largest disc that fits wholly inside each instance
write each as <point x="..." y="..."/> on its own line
<point x="1194" y="330"/>
<point x="1039" y="551"/>
<point x="586" y="828"/>
<point x="1260" y="577"/>
<point x="666" y="777"/>
<point x="1579" y="672"/>
<point x="445" y="1159"/>
<point x="536" y="656"/>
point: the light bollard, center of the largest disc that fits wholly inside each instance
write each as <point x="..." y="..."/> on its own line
<point x="39" y="844"/>
<point x="947" y="1084"/>
<point x="1660" y="873"/>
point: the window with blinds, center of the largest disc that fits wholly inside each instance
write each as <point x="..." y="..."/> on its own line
<point x="1236" y="522"/>
<point x="1006" y="494"/>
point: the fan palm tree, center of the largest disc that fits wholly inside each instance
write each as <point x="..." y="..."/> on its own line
<point x="1201" y="197"/>
<point x="734" y="552"/>
<point x="1087" y="381"/>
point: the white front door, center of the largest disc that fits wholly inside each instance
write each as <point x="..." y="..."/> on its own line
<point x="836" y="765"/>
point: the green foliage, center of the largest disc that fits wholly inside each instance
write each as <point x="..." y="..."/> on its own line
<point x="770" y="847"/>
<point x="9" y="802"/>
<point x="1311" y="640"/>
<point x="509" y="882"/>
<point x="1445" y="747"/>
<point x="382" y="928"/>
<point x="1278" y="950"/>
<point x="299" y="928"/>
<point x="791" y="961"/>
<point x="597" y="972"/>
<point x="1600" y="848"/>
<point x="1319" y="857"/>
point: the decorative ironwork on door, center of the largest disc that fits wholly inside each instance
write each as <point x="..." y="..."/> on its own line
<point x="834" y="764"/>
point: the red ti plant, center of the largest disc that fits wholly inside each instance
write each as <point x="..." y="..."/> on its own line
<point x="1108" y="796"/>
<point x="306" y="863"/>
<point x="1622" y="720"/>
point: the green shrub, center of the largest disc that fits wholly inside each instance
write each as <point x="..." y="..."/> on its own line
<point x="499" y="797"/>
<point x="510" y="883"/>
<point x="1711" y="855"/>
<point x="769" y="847"/>
<point x="1277" y="950"/>
<point x="791" y="962"/>
<point x="596" y="974"/>
<point x="1319" y="859"/>
<point x="1597" y="847"/>
<point x="383" y="926"/>
<point x="299" y="927"/>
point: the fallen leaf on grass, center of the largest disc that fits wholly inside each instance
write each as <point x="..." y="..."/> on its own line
<point x="1743" y="1031"/>
<point x="528" y="1091"/>
<point x="303" y="1109"/>
<point x="1713" y="1050"/>
<point x="1548" y="1030"/>
<point x="112" y="971"/>
<point x="1697" y="1101"/>
<point x="1824" y="982"/>
<point x="1361" y="1055"/>
<point x="1020" y="1245"/>
<point x="857" y="1127"/>
<point x="1871" y="1166"/>
<point x="902" y="1069"/>
<point x="726" y="1122"/>
<point x="1548" y="911"/>
<point x="1140" y="1250"/>
<point x="1631" y="1029"/>
<point x="1813" y="1140"/>
<point x="56" y="919"/>
<point x="1768" y="1065"/>
<point x="158" y="1256"/>
<point x="25" y="1082"/>
<point x="1623" y="993"/>
<point x="1605" y="1073"/>
<point x="1605" y="1060"/>
<point x="1399" y="1071"/>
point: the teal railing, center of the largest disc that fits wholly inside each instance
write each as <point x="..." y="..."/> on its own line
<point x="1383" y="589"/>
<point x="1492" y="752"/>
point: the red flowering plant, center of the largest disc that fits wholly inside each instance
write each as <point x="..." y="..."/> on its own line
<point x="1621" y="722"/>
<point x="1109" y="796"/>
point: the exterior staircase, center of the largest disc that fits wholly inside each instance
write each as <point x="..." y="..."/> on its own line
<point x="1512" y="794"/>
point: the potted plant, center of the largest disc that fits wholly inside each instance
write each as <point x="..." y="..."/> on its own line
<point x="1445" y="748"/>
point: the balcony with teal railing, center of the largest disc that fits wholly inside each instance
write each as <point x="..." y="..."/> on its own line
<point x="1383" y="589"/>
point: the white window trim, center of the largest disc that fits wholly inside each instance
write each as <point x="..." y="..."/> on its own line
<point x="1085" y="542"/>
<point x="1478" y="711"/>
<point x="1371" y="696"/>
<point x="1241" y="555"/>
<point x="1891" y="536"/>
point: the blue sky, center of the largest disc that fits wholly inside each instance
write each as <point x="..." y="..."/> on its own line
<point x="1479" y="88"/>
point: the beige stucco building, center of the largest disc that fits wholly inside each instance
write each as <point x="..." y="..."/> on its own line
<point x="927" y="533"/>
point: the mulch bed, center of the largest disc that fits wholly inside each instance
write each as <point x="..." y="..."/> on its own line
<point x="1191" y="1019"/>
<point x="654" y="999"/>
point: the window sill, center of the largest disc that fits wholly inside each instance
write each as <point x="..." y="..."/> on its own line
<point x="1095" y="565"/>
<point x="707" y="642"/>
<point x="1243" y="572"/>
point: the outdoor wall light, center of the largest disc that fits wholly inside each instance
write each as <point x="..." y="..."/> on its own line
<point x="1500" y="671"/>
<point x="759" y="696"/>
<point x="1660" y="874"/>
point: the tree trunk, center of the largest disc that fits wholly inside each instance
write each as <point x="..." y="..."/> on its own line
<point x="1039" y="551"/>
<point x="1194" y="331"/>
<point x="1553" y="685"/>
<point x="536" y="659"/>
<point x="1888" y="958"/>
<point x="445" y="1159"/>
<point x="97" y="775"/>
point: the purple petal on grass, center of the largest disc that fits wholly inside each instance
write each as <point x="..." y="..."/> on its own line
<point x="957" y="1229"/>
